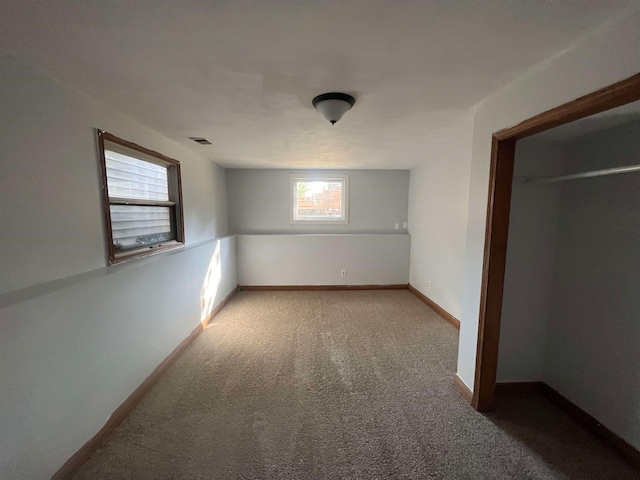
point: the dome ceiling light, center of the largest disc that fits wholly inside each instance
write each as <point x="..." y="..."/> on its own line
<point x="333" y="105"/>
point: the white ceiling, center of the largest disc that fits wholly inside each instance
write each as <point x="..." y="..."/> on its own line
<point x="243" y="73"/>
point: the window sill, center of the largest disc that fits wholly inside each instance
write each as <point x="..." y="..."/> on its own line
<point x="144" y="252"/>
<point x="319" y="222"/>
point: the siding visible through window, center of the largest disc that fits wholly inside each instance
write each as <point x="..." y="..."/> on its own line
<point x="129" y="177"/>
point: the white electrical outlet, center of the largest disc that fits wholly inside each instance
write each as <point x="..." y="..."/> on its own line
<point x="397" y="226"/>
<point x="429" y="284"/>
<point x="343" y="273"/>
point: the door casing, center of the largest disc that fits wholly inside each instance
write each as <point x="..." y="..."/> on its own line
<point x="497" y="226"/>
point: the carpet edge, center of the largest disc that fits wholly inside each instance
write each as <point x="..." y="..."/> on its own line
<point x="462" y="387"/>
<point x="304" y="288"/>
<point x="434" y="306"/>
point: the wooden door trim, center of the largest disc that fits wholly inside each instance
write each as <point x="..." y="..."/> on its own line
<point x="497" y="226"/>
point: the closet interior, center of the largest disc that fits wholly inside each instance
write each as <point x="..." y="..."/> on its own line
<point x="571" y="305"/>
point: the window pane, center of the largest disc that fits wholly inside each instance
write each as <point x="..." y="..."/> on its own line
<point x="128" y="177"/>
<point x="134" y="226"/>
<point x="319" y="200"/>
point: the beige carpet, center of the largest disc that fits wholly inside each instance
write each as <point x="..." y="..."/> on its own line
<point x="330" y="385"/>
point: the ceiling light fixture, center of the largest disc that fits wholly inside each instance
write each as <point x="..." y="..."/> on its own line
<point x="333" y="105"/>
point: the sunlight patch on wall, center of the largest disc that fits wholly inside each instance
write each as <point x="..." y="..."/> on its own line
<point x="211" y="284"/>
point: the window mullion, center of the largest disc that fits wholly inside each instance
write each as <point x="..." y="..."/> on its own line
<point x="135" y="201"/>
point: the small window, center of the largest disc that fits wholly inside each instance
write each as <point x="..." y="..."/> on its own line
<point x="142" y="199"/>
<point x="319" y="199"/>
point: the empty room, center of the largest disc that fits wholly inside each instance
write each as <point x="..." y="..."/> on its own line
<point x="319" y="239"/>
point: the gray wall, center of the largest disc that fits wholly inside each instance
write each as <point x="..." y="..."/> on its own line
<point x="438" y="203"/>
<point x="259" y="202"/>
<point x="593" y="349"/>
<point x="533" y="226"/>
<point x="76" y="336"/>
<point x="368" y="259"/>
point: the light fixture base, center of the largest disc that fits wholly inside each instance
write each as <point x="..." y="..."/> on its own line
<point x="334" y="96"/>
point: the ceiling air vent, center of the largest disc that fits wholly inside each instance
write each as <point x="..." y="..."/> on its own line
<point x="201" y="140"/>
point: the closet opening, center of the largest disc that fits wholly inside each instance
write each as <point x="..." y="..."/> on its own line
<point x="498" y="213"/>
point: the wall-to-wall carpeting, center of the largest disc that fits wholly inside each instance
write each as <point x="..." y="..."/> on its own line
<point x="329" y="385"/>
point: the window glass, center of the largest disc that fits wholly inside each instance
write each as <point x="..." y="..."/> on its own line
<point x="318" y="199"/>
<point x="129" y="177"/>
<point x="133" y="226"/>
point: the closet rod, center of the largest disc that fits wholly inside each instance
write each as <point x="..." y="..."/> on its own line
<point x="595" y="173"/>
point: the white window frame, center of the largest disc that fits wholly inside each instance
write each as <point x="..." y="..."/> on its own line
<point x="293" y="195"/>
